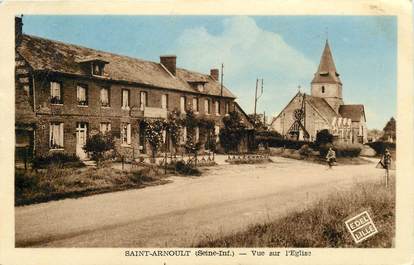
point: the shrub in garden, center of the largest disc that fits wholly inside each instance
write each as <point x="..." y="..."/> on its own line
<point x="183" y="168"/>
<point x="232" y="133"/>
<point x="341" y="149"/>
<point x="59" y="159"/>
<point x="323" y="137"/>
<point x="305" y="150"/>
<point x="97" y="145"/>
<point x="380" y="146"/>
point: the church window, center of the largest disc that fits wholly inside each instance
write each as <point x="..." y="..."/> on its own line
<point x="323" y="89"/>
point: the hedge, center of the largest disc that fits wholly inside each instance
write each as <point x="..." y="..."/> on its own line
<point x="380" y="146"/>
<point x="341" y="149"/>
<point x="60" y="159"/>
<point x="279" y="142"/>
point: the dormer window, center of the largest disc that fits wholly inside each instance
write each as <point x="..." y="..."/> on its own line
<point x="200" y="87"/>
<point x="93" y="65"/>
<point x="97" y="68"/>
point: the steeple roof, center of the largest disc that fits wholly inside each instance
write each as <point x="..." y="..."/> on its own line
<point x="327" y="71"/>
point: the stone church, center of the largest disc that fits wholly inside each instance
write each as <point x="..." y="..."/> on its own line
<point x="324" y="108"/>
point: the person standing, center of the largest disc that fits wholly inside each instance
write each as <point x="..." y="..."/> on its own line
<point x="331" y="157"/>
<point x="386" y="164"/>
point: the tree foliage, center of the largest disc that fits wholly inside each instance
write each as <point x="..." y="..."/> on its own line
<point x="154" y="134"/>
<point x="323" y="137"/>
<point x="390" y="130"/>
<point x="97" y="145"/>
<point x="232" y="133"/>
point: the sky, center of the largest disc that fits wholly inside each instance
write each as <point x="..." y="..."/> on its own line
<point x="283" y="50"/>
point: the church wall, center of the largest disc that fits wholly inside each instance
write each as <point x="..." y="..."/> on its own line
<point x="314" y="122"/>
<point x="285" y="119"/>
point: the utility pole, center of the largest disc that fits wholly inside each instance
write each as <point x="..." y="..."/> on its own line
<point x="256" y="98"/>
<point x="221" y="87"/>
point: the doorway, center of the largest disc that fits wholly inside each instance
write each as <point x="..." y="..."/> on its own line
<point x="81" y="136"/>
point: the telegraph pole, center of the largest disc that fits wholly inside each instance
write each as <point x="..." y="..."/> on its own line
<point x="221" y="87"/>
<point x="256" y="98"/>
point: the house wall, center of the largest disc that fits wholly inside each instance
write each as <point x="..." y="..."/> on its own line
<point x="70" y="113"/>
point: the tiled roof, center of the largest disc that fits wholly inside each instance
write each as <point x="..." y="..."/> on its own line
<point x="55" y="56"/>
<point x="326" y="71"/>
<point x="322" y="106"/>
<point x="353" y="112"/>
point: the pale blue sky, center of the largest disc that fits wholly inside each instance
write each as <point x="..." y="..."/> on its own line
<point x="284" y="50"/>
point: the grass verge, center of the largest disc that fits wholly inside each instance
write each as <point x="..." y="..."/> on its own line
<point x="57" y="183"/>
<point x="322" y="224"/>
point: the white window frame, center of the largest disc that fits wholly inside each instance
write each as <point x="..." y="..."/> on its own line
<point x="108" y="102"/>
<point x="56" y="128"/>
<point x="164" y="101"/>
<point x="217" y="132"/>
<point x="82" y="94"/>
<point x="125" y="94"/>
<point x="56" y="91"/>
<point x="105" y="127"/>
<point x="207" y="109"/>
<point x="183" y="135"/>
<point x="126" y="139"/>
<point x="143" y="100"/>
<point x="227" y="108"/>
<point x="217" y="107"/>
<point x="183" y="102"/>
<point x="195" y="105"/>
<point x="197" y="134"/>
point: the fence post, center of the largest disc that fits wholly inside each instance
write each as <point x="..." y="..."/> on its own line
<point x="122" y="161"/>
<point x="165" y="163"/>
<point x="25" y="157"/>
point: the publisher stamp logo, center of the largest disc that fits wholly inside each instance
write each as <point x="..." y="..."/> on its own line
<point x="361" y="227"/>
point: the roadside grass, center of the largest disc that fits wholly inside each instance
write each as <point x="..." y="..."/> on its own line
<point x="322" y="224"/>
<point x="55" y="183"/>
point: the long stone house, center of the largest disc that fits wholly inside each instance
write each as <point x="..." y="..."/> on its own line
<point x="305" y="115"/>
<point x="65" y="92"/>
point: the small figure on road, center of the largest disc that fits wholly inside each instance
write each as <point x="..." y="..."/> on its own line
<point x="331" y="157"/>
<point x="385" y="163"/>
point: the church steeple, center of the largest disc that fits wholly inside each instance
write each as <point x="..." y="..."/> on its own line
<point x="326" y="71"/>
<point x="326" y="82"/>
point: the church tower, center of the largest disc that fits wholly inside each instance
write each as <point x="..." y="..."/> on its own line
<point x="326" y="83"/>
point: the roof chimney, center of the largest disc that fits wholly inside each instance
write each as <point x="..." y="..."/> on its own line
<point x="18" y="29"/>
<point x="214" y="73"/>
<point x="169" y="62"/>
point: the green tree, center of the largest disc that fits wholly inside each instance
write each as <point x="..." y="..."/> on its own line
<point x="191" y="122"/>
<point x="232" y="133"/>
<point x="97" y="145"/>
<point x="154" y="134"/>
<point x="172" y="126"/>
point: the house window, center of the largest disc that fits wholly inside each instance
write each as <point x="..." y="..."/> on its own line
<point x="183" y="103"/>
<point x="207" y="106"/>
<point x="143" y="100"/>
<point x="125" y="98"/>
<point x="105" y="97"/>
<point x="82" y="95"/>
<point x="216" y="132"/>
<point x="323" y="89"/>
<point x="56" y="93"/>
<point x="126" y="133"/>
<point x="195" y="105"/>
<point x="217" y="106"/>
<point x="197" y="134"/>
<point x="200" y="87"/>
<point x="164" y="101"/>
<point x="97" y="69"/>
<point x="227" y="106"/>
<point x="56" y="135"/>
<point x="105" y="127"/>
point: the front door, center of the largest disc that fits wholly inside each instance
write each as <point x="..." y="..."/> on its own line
<point x="81" y="136"/>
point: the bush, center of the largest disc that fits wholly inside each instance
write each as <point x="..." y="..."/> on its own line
<point x="323" y="137"/>
<point x="286" y="143"/>
<point x="97" y="145"/>
<point x="305" y="150"/>
<point x="185" y="169"/>
<point x="380" y="146"/>
<point x="59" y="159"/>
<point x="341" y="149"/>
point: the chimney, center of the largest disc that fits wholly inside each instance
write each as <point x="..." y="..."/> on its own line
<point x="18" y="29"/>
<point x="214" y="73"/>
<point x="169" y="62"/>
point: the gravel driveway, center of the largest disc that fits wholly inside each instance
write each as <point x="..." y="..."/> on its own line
<point x="226" y="198"/>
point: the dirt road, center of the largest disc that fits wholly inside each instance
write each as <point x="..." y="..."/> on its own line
<point x="225" y="199"/>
